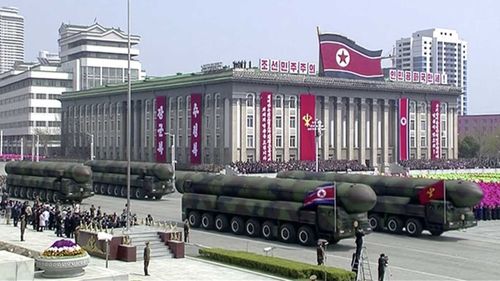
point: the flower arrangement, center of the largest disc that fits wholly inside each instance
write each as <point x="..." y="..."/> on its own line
<point x="64" y="248"/>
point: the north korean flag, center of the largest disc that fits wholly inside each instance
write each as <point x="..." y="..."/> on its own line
<point x="322" y="195"/>
<point x="343" y="58"/>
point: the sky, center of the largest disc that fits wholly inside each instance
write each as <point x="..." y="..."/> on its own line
<point x="180" y="36"/>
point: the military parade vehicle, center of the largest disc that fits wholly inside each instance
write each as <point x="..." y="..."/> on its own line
<point x="273" y="208"/>
<point x="49" y="181"/>
<point x="147" y="180"/>
<point x="411" y="204"/>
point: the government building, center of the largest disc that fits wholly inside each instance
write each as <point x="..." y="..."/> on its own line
<point x="361" y="118"/>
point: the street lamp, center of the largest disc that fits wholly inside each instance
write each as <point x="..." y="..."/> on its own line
<point x="129" y="112"/>
<point x="172" y="152"/>
<point x="318" y="129"/>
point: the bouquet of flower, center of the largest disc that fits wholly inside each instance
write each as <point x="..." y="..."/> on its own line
<point x="64" y="248"/>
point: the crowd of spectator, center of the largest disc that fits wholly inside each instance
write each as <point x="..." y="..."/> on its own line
<point x="250" y="167"/>
<point x="447" y="164"/>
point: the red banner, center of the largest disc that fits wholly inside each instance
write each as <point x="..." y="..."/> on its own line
<point x="307" y="134"/>
<point x="435" y="129"/>
<point x="435" y="191"/>
<point x="160" y="128"/>
<point x="195" y="129"/>
<point x="266" y="126"/>
<point x="403" y="129"/>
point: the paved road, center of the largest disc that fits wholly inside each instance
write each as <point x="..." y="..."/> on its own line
<point x="469" y="255"/>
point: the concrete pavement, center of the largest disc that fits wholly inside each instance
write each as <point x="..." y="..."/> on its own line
<point x="164" y="268"/>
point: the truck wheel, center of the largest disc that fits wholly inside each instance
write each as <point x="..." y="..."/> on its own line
<point x="96" y="188"/>
<point x="22" y="192"/>
<point x="194" y="219"/>
<point x="56" y="197"/>
<point x="116" y="191"/>
<point x="375" y="222"/>
<point x="10" y="191"/>
<point x="103" y="189"/>
<point x="207" y="221"/>
<point x="43" y="195"/>
<point x="29" y="194"/>
<point x="109" y="190"/>
<point x="48" y="196"/>
<point x="237" y="225"/>
<point x="17" y="190"/>
<point x="287" y="233"/>
<point x="413" y="227"/>
<point x="221" y="223"/>
<point x="252" y="228"/>
<point x="305" y="235"/>
<point x="436" y="232"/>
<point x="139" y="193"/>
<point x="394" y="225"/>
<point x="123" y="192"/>
<point x="268" y="230"/>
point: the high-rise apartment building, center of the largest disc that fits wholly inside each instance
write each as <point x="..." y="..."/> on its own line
<point x="11" y="38"/>
<point x="436" y="50"/>
<point x="97" y="55"/>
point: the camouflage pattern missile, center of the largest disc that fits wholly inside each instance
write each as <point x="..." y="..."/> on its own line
<point x="353" y="197"/>
<point x="75" y="171"/>
<point x="160" y="170"/>
<point x="31" y="181"/>
<point x="461" y="193"/>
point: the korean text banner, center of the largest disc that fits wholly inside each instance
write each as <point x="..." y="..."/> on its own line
<point x="196" y="129"/>
<point x="160" y="128"/>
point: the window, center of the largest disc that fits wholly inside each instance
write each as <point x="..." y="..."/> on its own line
<point x="250" y="100"/>
<point x="293" y="102"/>
<point x="279" y="141"/>
<point x="40" y="123"/>
<point x="278" y="102"/>
<point x="217" y="101"/>
<point x="41" y="110"/>
<point x="208" y="100"/>
<point x="249" y="121"/>
<point x="250" y="141"/>
<point x="41" y="96"/>
<point x="293" y="141"/>
<point x="278" y="122"/>
<point x="292" y="121"/>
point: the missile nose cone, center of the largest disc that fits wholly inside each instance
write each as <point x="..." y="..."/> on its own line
<point x="359" y="198"/>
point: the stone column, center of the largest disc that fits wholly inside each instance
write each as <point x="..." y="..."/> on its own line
<point x="455" y="134"/>
<point x="285" y="123"/>
<point x="350" y="129"/>
<point x="256" y="128"/>
<point x="374" y="133"/>
<point x="362" y="131"/>
<point x="243" y="132"/>
<point x="385" y="131"/>
<point x="417" y="130"/>
<point x="235" y="129"/>
<point x="338" y="129"/>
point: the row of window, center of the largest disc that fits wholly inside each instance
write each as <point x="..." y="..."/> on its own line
<point x="36" y="82"/>
<point x="20" y="124"/>
<point x="17" y="111"/>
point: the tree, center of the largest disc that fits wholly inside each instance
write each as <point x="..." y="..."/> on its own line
<point x="468" y="147"/>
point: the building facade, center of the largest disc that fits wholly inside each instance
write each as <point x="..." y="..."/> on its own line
<point x="436" y="50"/>
<point x="30" y="110"/>
<point x="360" y="118"/>
<point x="97" y="55"/>
<point x="11" y="38"/>
<point x="477" y="125"/>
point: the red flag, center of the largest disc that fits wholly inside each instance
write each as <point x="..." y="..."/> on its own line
<point x="403" y="129"/>
<point x="341" y="57"/>
<point x="307" y="117"/>
<point x="434" y="191"/>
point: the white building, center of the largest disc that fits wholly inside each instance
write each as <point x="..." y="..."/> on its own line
<point x="11" y="38"/>
<point x="29" y="106"/>
<point x="436" y="50"/>
<point x="97" y="55"/>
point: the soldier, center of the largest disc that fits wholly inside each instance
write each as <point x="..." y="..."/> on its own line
<point x="8" y="212"/>
<point x="320" y="253"/>
<point x="359" y="241"/>
<point x="186" y="231"/>
<point x="382" y="264"/>
<point x="23" y="225"/>
<point x="147" y="257"/>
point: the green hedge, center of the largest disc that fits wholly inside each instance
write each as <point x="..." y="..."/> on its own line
<point x="276" y="266"/>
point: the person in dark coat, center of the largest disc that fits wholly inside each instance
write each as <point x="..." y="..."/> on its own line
<point x="359" y="242"/>
<point x="23" y="222"/>
<point x="186" y="231"/>
<point x="147" y="258"/>
<point x="320" y="253"/>
<point x="382" y="264"/>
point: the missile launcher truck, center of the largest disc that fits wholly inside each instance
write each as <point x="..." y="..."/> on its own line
<point x="147" y="180"/>
<point x="398" y="206"/>
<point x="272" y="208"/>
<point x="49" y="181"/>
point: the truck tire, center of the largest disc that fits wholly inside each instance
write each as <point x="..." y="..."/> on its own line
<point x="375" y="222"/>
<point x="17" y="190"/>
<point x="268" y="230"/>
<point x="394" y="225"/>
<point x="252" y="228"/>
<point x="96" y="188"/>
<point x="110" y="190"/>
<point x="43" y="195"/>
<point x="436" y="232"/>
<point x="29" y="194"/>
<point x="305" y="235"/>
<point x="221" y="223"/>
<point x="116" y="191"/>
<point x="207" y="221"/>
<point x="237" y="225"/>
<point x="194" y="219"/>
<point x="413" y="227"/>
<point x="22" y="192"/>
<point x="139" y="193"/>
<point x="123" y="192"/>
<point x="49" y="195"/>
<point x="56" y="196"/>
<point x="103" y="189"/>
<point x="287" y="233"/>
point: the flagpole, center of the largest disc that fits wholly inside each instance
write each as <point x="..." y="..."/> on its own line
<point x="335" y="209"/>
<point x="444" y="204"/>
